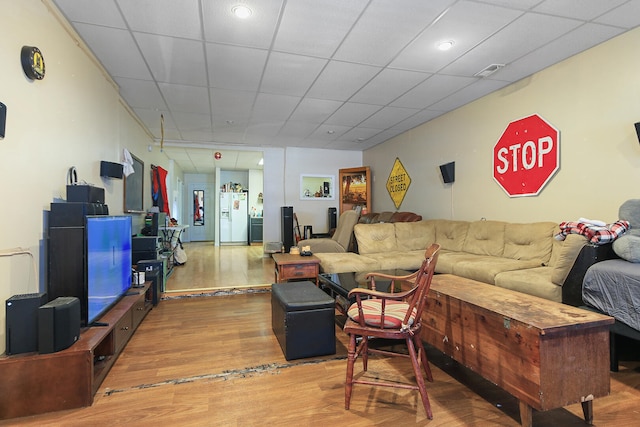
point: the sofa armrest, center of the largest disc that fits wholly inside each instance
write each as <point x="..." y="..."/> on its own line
<point x="322" y="245"/>
<point x="589" y="255"/>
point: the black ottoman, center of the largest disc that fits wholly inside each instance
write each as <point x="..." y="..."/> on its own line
<point x="303" y="320"/>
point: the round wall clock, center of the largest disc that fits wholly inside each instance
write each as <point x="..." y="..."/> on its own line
<point x="32" y="62"/>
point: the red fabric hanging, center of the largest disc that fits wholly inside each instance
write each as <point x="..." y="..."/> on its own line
<point x="159" y="190"/>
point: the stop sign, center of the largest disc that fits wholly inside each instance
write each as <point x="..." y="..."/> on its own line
<point x="526" y="156"/>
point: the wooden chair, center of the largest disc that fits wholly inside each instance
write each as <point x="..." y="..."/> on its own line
<point x="391" y="316"/>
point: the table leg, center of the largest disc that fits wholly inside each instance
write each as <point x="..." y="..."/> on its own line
<point x="526" y="414"/>
<point x="587" y="410"/>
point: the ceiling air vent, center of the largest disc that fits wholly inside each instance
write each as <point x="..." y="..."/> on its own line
<point x="487" y="71"/>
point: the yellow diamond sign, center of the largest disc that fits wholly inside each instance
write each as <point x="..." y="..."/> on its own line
<point x="398" y="183"/>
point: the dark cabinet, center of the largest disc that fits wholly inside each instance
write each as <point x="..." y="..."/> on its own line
<point x="255" y="230"/>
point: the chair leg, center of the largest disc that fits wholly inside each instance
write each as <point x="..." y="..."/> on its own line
<point x="419" y="379"/>
<point x="423" y="357"/>
<point x="351" y="358"/>
<point x="363" y="351"/>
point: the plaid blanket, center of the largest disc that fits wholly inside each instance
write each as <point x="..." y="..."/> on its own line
<point x="596" y="234"/>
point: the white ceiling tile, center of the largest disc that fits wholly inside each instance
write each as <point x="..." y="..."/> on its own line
<point x="340" y="80"/>
<point x="580" y="9"/>
<point x="514" y="41"/>
<point x="376" y="38"/>
<point x="231" y="104"/>
<point x="288" y="74"/>
<point x="140" y="93"/>
<point x="388" y="117"/>
<point x="315" y="110"/>
<point x="174" y="60"/>
<point x="122" y="62"/>
<point x="267" y="82"/>
<point x="469" y="94"/>
<point x="273" y="107"/>
<point x="99" y="12"/>
<point x="191" y="121"/>
<point x="568" y="45"/>
<point x="221" y="26"/>
<point x="190" y="99"/>
<point x="358" y="134"/>
<point x="626" y="16"/>
<point x="316" y="28"/>
<point x="328" y="132"/>
<point x="351" y="114"/>
<point x="233" y="67"/>
<point x="387" y="86"/>
<point x="166" y="17"/>
<point x="299" y="130"/>
<point x="432" y="90"/>
<point x="461" y="25"/>
<point x="416" y="120"/>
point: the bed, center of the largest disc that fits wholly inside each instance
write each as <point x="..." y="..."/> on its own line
<point x="613" y="287"/>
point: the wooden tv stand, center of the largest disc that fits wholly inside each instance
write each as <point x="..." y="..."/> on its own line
<point x="35" y="383"/>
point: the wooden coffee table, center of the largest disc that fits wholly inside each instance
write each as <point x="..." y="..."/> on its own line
<point x="546" y="354"/>
<point x="290" y="266"/>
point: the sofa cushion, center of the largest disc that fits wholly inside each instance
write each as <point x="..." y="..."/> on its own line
<point x="447" y="260"/>
<point x="346" y="262"/>
<point x="485" y="268"/>
<point x="375" y="238"/>
<point x="408" y="260"/>
<point x="485" y="238"/>
<point x="394" y="313"/>
<point x="532" y="281"/>
<point x="450" y="234"/>
<point x="415" y="235"/>
<point x="529" y="241"/>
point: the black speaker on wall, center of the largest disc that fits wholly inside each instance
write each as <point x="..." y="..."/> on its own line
<point x="286" y="228"/>
<point x="111" y="170"/>
<point x="448" y="171"/>
<point x="638" y="130"/>
<point x="58" y="324"/>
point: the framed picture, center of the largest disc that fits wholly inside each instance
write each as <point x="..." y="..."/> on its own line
<point x="355" y="189"/>
<point x="134" y="188"/>
<point x="317" y="187"/>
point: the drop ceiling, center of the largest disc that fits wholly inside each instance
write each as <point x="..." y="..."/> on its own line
<point x="332" y="74"/>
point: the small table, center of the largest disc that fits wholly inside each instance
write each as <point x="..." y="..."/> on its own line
<point x="338" y="285"/>
<point x="290" y="266"/>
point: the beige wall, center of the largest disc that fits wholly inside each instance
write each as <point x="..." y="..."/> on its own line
<point x="593" y="99"/>
<point x="71" y="118"/>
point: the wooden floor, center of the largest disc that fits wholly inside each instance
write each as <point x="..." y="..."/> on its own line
<point x="214" y="361"/>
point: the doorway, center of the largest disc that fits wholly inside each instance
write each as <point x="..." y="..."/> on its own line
<point x="201" y="212"/>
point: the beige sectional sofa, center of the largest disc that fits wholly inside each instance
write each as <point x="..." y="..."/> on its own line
<point x="522" y="257"/>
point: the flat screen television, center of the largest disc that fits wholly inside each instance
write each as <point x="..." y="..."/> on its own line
<point x="108" y="262"/>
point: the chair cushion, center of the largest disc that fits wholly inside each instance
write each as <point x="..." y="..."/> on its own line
<point x="393" y="316"/>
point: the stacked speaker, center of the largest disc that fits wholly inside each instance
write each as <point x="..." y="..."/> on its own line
<point x="33" y="324"/>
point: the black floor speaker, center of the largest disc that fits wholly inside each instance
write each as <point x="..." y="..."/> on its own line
<point x="58" y="324"/>
<point x="22" y="322"/>
<point x="286" y="228"/>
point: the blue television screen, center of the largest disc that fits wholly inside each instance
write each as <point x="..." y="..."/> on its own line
<point x="108" y="262"/>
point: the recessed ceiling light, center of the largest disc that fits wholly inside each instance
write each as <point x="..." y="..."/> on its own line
<point x="241" y="11"/>
<point x="446" y="45"/>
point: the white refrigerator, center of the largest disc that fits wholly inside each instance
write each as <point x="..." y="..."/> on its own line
<point x="234" y="218"/>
